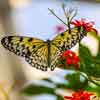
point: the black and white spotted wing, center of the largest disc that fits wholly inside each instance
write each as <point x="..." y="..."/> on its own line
<point x="43" y="54"/>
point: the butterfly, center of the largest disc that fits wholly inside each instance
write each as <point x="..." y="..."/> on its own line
<point x="43" y="54"/>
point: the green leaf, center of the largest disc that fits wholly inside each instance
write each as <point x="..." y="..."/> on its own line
<point x="95" y="89"/>
<point x="48" y="80"/>
<point x="59" y="97"/>
<point x="75" y="81"/>
<point x="93" y="33"/>
<point x="98" y="54"/>
<point x="63" y="86"/>
<point x="99" y="38"/>
<point x="88" y="63"/>
<point x="84" y="52"/>
<point x="33" y="89"/>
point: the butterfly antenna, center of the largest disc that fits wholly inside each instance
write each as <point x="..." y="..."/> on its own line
<point x="57" y="16"/>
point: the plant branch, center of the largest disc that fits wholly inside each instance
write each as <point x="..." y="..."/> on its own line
<point x="89" y="79"/>
<point x="93" y="81"/>
<point x="57" y="16"/>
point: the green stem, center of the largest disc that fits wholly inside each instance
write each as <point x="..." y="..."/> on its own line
<point x="97" y="79"/>
<point x="69" y="26"/>
<point x="89" y="79"/>
<point x="93" y="81"/>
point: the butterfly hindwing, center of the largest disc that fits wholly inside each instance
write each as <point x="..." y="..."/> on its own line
<point x="55" y="54"/>
<point x="38" y="59"/>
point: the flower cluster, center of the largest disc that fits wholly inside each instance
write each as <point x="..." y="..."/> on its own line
<point x="87" y="25"/>
<point x="70" y="58"/>
<point x="80" y="95"/>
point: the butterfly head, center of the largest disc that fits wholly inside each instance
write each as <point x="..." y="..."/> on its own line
<point x="84" y="26"/>
<point x="48" y="41"/>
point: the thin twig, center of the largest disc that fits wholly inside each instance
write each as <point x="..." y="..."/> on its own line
<point x="57" y="16"/>
<point x="93" y="81"/>
<point x="89" y="79"/>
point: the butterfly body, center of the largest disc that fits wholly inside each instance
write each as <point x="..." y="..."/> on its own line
<point x="43" y="54"/>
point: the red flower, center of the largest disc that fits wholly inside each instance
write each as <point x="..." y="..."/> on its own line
<point x="87" y="25"/>
<point x="80" y="95"/>
<point x="70" y="57"/>
<point x="68" y="53"/>
<point x="59" y="28"/>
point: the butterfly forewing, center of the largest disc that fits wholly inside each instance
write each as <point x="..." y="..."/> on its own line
<point x="66" y="40"/>
<point x="34" y="50"/>
<point x="21" y="45"/>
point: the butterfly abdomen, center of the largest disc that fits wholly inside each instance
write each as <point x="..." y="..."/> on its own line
<point x="49" y="52"/>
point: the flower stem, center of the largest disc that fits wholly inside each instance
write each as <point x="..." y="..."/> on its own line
<point x="57" y="16"/>
<point x="93" y="82"/>
<point x="89" y="79"/>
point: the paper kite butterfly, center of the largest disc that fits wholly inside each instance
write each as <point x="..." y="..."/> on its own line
<point x="45" y="54"/>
